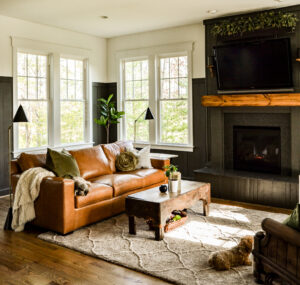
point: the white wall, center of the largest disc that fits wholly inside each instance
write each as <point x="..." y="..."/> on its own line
<point x="195" y="33"/>
<point x="11" y="27"/>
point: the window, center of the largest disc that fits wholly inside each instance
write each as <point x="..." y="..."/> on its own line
<point x="136" y="101"/>
<point x="51" y="82"/>
<point x="173" y="99"/>
<point x="32" y="93"/>
<point x="159" y="78"/>
<point x="72" y="101"/>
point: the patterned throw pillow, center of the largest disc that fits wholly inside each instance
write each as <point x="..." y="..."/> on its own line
<point x="126" y="161"/>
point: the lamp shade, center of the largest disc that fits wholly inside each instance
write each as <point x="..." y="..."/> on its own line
<point x="149" y="115"/>
<point x="20" y="116"/>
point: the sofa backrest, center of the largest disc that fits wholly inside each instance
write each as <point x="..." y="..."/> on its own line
<point x="92" y="162"/>
<point x="27" y="160"/>
<point x="112" y="150"/>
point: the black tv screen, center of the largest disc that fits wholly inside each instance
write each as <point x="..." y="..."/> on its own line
<point x="264" y="64"/>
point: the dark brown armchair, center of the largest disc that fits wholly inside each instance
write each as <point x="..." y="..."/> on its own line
<point x="277" y="254"/>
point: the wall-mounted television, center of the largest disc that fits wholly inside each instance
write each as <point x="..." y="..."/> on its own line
<point x="254" y="65"/>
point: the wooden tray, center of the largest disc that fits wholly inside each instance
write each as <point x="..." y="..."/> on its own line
<point x="172" y="226"/>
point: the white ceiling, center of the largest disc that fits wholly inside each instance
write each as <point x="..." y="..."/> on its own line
<point x="126" y="16"/>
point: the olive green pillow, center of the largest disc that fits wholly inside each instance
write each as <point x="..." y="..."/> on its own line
<point x="63" y="164"/>
<point x="126" y="161"/>
<point x="293" y="220"/>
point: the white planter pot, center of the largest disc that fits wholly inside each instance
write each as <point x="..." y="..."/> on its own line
<point x="173" y="186"/>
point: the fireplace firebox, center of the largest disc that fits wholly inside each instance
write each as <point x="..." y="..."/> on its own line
<point x="257" y="149"/>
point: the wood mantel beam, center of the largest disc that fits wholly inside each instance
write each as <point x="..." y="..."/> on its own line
<point x="252" y="100"/>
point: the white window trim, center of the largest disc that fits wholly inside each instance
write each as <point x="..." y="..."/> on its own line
<point x="54" y="53"/>
<point x="154" y="54"/>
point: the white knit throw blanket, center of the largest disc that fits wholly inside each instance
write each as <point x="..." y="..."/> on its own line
<point x="27" y="190"/>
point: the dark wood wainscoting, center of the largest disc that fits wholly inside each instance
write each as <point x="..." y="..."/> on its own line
<point x="186" y="161"/>
<point x="6" y="95"/>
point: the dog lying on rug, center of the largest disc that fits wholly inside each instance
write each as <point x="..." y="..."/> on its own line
<point x="238" y="255"/>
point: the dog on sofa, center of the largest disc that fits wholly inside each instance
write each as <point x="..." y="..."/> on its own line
<point x="238" y="255"/>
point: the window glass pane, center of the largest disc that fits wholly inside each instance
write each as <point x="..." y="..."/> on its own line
<point x="183" y="67"/>
<point x="79" y="70"/>
<point x="71" y="69"/>
<point x="32" y="65"/>
<point x="34" y="133"/>
<point x="173" y="88"/>
<point x="164" y="67"/>
<point x="22" y="64"/>
<point x="145" y="89"/>
<point x="173" y="67"/>
<point x="42" y="88"/>
<point x="42" y="66"/>
<point x="145" y="69"/>
<point x="137" y="90"/>
<point x="32" y="88"/>
<point x="63" y="68"/>
<point x="71" y="89"/>
<point x="72" y="122"/>
<point x="174" y="122"/>
<point x="183" y="87"/>
<point x="129" y="90"/>
<point x="63" y="89"/>
<point x="132" y="111"/>
<point x="79" y="90"/>
<point x="22" y="87"/>
<point x="128" y="71"/>
<point x="137" y="72"/>
<point x="165" y="88"/>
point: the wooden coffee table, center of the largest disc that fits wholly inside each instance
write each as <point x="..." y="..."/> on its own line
<point x="154" y="205"/>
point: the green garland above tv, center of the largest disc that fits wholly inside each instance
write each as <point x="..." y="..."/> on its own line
<point x="261" y="21"/>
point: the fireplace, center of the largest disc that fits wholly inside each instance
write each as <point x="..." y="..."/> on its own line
<point x="257" y="149"/>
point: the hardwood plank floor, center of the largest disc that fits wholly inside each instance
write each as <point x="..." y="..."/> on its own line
<point x="25" y="259"/>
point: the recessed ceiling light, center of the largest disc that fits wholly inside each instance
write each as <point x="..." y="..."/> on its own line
<point x="279" y="1"/>
<point x="104" y="17"/>
<point x="212" y="11"/>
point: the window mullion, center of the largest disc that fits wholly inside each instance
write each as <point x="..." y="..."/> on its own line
<point x="152" y="99"/>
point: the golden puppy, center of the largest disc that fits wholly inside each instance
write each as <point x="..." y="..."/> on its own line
<point x="238" y="255"/>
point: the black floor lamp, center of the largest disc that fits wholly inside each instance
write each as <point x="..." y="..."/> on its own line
<point x="20" y="117"/>
<point x="148" y="116"/>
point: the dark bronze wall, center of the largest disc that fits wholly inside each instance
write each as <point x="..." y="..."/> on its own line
<point x="6" y="95"/>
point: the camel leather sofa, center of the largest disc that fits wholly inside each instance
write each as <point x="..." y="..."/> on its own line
<point x="57" y="208"/>
<point x="277" y="254"/>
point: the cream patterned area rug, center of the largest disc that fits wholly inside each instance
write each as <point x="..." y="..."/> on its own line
<point x="181" y="258"/>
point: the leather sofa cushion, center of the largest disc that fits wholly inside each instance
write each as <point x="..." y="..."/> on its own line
<point x="122" y="183"/>
<point x="92" y="162"/>
<point x="27" y="160"/>
<point x="112" y="150"/>
<point x="150" y="176"/>
<point x="97" y="193"/>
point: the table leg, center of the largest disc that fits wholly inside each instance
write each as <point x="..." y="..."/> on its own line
<point x="205" y="208"/>
<point x="159" y="233"/>
<point x="132" y="225"/>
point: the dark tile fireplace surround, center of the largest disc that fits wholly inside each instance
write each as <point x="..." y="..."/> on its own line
<point x="254" y="155"/>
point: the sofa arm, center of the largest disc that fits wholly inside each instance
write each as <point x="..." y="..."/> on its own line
<point x="14" y="167"/>
<point x="55" y="208"/>
<point x="281" y="231"/>
<point x="159" y="163"/>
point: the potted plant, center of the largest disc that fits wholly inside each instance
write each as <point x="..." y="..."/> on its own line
<point x="108" y="114"/>
<point x="174" y="177"/>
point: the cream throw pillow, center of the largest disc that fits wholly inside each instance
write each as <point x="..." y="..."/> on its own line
<point x="144" y="158"/>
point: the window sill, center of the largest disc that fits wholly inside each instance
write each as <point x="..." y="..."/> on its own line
<point x="174" y="147"/>
<point x="16" y="153"/>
